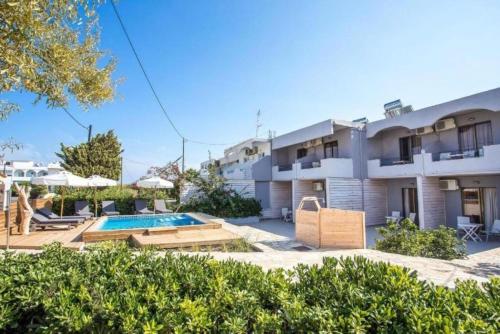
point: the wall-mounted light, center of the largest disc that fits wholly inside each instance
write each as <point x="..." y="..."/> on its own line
<point x="471" y="119"/>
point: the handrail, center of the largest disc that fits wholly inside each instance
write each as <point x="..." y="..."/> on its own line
<point x="457" y="154"/>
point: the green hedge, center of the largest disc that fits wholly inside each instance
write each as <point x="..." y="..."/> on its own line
<point x="113" y="290"/>
<point x="223" y="203"/>
<point x="124" y="198"/>
<point x="407" y="239"/>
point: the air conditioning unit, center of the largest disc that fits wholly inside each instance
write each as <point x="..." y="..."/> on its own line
<point x="424" y="130"/>
<point x="317" y="186"/>
<point x="251" y="151"/>
<point x="445" y="124"/>
<point x="448" y="185"/>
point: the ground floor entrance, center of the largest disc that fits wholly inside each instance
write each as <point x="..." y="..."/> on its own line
<point x="480" y="205"/>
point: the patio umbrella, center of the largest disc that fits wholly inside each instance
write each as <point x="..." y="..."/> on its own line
<point x="96" y="181"/>
<point x="155" y="182"/>
<point x="62" y="179"/>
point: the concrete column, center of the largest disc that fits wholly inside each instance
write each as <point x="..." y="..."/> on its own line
<point x="327" y="192"/>
<point x="295" y="203"/>
<point x="420" y="196"/>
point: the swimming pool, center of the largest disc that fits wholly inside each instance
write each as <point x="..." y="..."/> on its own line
<point x="147" y="221"/>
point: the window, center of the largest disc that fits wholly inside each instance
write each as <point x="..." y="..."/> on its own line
<point x="301" y="152"/>
<point x="475" y="136"/>
<point x="332" y="149"/>
<point x="408" y="146"/>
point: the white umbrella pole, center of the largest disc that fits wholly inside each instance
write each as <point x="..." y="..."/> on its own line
<point x="95" y="201"/>
<point x="154" y="201"/>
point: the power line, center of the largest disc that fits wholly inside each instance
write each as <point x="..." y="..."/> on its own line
<point x="150" y="84"/>
<point x="74" y="118"/>
<point x="143" y="69"/>
<point x="137" y="162"/>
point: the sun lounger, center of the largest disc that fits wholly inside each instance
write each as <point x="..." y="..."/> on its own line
<point x="51" y="215"/>
<point x="109" y="209"/>
<point x="40" y="221"/>
<point x="141" y="207"/>
<point x="82" y="209"/>
<point x="160" y="206"/>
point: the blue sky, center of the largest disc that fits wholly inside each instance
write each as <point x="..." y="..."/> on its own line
<point x="215" y="63"/>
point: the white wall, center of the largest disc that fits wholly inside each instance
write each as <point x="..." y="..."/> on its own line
<point x="375" y="201"/>
<point x="245" y="188"/>
<point x="431" y="202"/>
<point x="344" y="193"/>
<point x="280" y="197"/>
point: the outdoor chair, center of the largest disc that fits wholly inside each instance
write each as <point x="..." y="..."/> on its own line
<point x="109" y="209"/>
<point x="394" y="217"/>
<point x="494" y="229"/>
<point x="40" y="221"/>
<point x="141" y="207"/>
<point x="82" y="209"/>
<point x="51" y="215"/>
<point x="286" y="215"/>
<point x="160" y="206"/>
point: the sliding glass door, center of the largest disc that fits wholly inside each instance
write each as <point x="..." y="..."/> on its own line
<point x="410" y="201"/>
<point x="480" y="204"/>
<point x="475" y="137"/>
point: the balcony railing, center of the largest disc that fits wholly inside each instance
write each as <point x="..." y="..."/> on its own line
<point x="310" y="164"/>
<point x="460" y="154"/>
<point x="284" y="168"/>
<point x="395" y="161"/>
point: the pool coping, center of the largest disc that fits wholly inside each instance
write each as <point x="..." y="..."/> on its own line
<point x="93" y="234"/>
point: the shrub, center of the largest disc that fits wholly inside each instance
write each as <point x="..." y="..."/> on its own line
<point x="224" y="203"/>
<point x="405" y="238"/>
<point x="214" y="198"/>
<point x="111" y="289"/>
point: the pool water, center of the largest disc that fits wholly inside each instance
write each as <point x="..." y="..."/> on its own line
<point x="147" y="221"/>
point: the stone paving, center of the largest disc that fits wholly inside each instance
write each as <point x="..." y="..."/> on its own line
<point x="276" y="240"/>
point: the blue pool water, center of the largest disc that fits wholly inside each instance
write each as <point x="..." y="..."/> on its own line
<point x="147" y="221"/>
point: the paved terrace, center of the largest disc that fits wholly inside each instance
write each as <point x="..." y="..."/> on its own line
<point x="276" y="239"/>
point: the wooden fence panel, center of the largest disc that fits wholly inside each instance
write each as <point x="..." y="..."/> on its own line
<point x="330" y="228"/>
<point x="14" y="211"/>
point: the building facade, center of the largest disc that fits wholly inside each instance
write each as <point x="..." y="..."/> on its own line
<point x="437" y="163"/>
<point x="24" y="171"/>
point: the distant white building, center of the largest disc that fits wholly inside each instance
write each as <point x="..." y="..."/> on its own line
<point x="24" y="171"/>
<point x="247" y="160"/>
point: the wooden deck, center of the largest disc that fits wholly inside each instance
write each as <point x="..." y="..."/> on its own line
<point x="35" y="240"/>
<point x="186" y="238"/>
<point x="209" y="233"/>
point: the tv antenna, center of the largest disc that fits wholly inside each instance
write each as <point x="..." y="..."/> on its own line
<point x="258" y="124"/>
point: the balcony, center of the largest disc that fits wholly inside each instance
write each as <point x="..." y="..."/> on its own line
<point x="469" y="162"/>
<point x="395" y="167"/>
<point x="332" y="167"/>
<point x="283" y="172"/>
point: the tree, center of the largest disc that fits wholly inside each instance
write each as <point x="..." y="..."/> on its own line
<point x="100" y="156"/>
<point x="49" y="48"/>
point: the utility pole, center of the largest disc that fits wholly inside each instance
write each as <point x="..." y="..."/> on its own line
<point x="183" y="157"/>
<point x="90" y="133"/>
<point x="89" y="152"/>
<point x="121" y="171"/>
